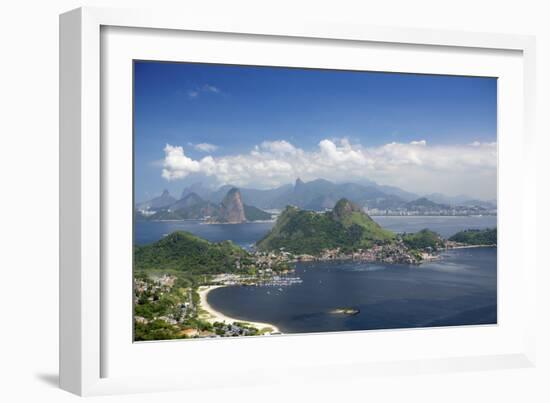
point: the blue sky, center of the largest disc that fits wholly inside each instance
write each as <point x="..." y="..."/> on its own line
<point x="222" y="112"/>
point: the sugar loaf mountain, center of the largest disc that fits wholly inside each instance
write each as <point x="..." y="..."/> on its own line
<point x="229" y="204"/>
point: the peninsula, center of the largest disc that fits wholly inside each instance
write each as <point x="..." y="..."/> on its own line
<point x="346" y="232"/>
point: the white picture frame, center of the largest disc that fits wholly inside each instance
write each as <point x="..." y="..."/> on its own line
<point x="91" y="361"/>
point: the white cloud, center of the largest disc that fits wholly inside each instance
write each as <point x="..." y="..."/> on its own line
<point x="210" y="88"/>
<point x="205" y="147"/>
<point x="206" y="88"/>
<point x="176" y="164"/>
<point x="280" y="147"/>
<point x="415" y="166"/>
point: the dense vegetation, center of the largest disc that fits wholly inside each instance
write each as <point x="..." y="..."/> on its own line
<point x="184" y="252"/>
<point x="255" y="214"/>
<point x="157" y="329"/>
<point x="423" y="240"/>
<point x="346" y="227"/>
<point x="356" y="221"/>
<point x="476" y="237"/>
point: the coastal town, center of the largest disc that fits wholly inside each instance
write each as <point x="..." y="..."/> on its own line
<point x="163" y="310"/>
<point x="395" y="253"/>
<point x="184" y="312"/>
<point x="386" y="253"/>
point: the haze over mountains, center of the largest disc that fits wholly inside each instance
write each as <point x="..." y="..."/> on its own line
<point x="162" y="201"/>
<point x="231" y="204"/>
<point x="314" y="195"/>
<point x="320" y="193"/>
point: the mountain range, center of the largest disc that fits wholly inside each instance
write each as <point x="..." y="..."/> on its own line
<point x="162" y="201"/>
<point x="460" y="200"/>
<point x="318" y="194"/>
<point x="198" y="201"/>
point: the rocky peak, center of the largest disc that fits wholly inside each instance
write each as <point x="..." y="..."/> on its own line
<point x="344" y="207"/>
<point x="197" y="188"/>
<point x="232" y="207"/>
<point x="162" y="201"/>
<point x="299" y="183"/>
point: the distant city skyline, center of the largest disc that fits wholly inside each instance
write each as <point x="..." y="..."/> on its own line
<point x="262" y="127"/>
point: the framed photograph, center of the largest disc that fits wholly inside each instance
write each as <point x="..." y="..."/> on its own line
<point x="321" y="200"/>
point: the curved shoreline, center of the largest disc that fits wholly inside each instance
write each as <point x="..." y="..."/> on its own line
<point x="472" y="246"/>
<point x="216" y="316"/>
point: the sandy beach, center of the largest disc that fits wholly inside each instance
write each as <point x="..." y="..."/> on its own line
<point x="215" y="316"/>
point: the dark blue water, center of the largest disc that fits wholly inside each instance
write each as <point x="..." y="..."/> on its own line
<point x="247" y="234"/>
<point x="244" y="235"/>
<point x="460" y="289"/>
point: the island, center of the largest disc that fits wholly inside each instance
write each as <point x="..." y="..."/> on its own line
<point x="346" y="311"/>
<point x="475" y="237"/>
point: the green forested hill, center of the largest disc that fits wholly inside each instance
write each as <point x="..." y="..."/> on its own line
<point x="423" y="239"/>
<point x="349" y="215"/>
<point x="254" y="214"/>
<point x="476" y="237"/>
<point x="301" y="231"/>
<point x="185" y="252"/>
